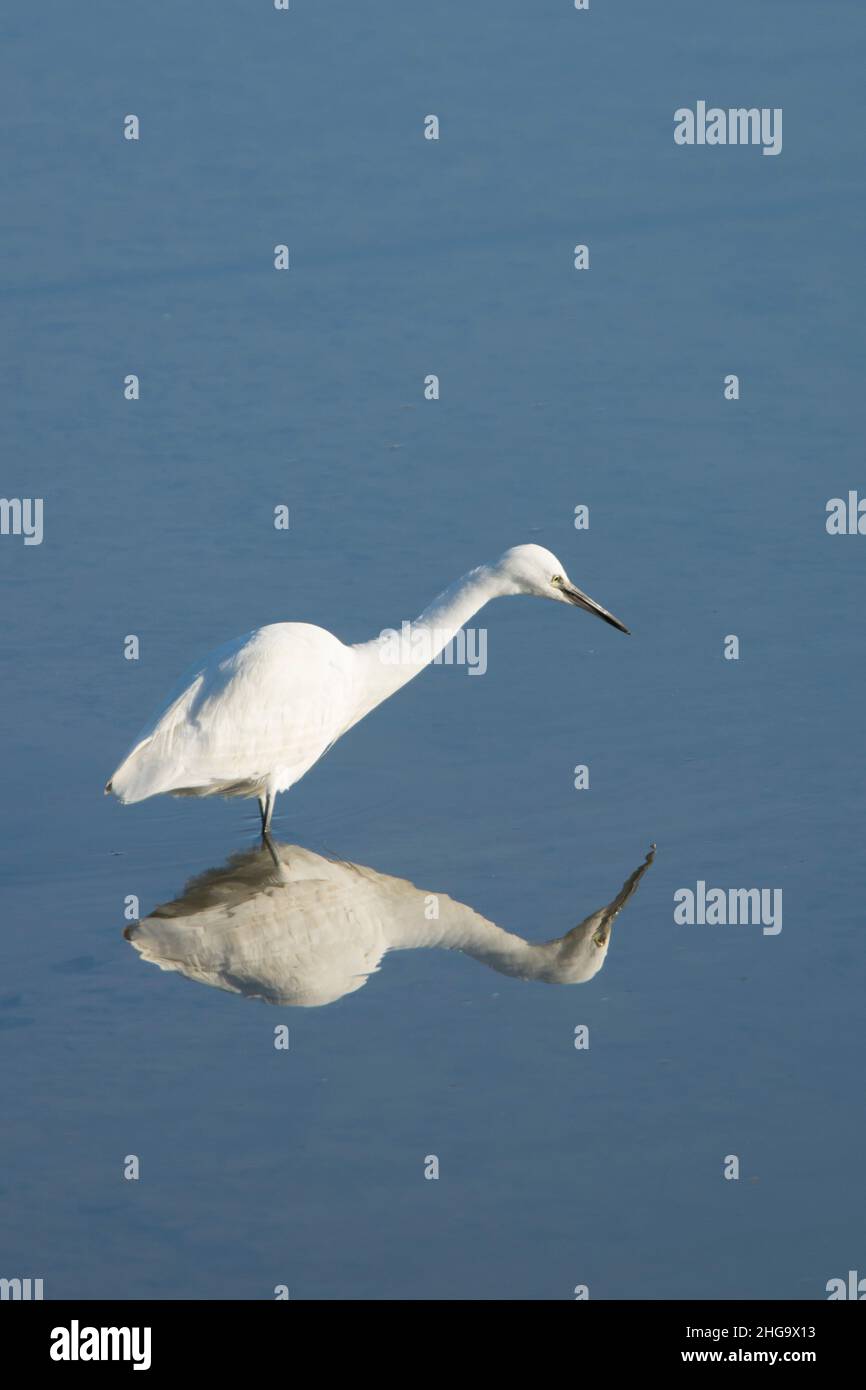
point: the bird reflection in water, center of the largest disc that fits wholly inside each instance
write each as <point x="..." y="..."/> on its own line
<point x="291" y="927"/>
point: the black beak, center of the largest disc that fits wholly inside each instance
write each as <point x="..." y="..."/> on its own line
<point x="589" y="605"/>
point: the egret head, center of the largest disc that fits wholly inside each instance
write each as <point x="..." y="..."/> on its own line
<point x="530" y="569"/>
<point x="580" y="954"/>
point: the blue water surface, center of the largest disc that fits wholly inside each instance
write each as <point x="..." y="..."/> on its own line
<point x="558" y="1167"/>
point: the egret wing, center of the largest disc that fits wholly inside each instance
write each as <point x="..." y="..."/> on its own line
<point x="258" y="712"/>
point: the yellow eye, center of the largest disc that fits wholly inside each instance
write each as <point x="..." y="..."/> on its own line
<point x="557" y="579"/>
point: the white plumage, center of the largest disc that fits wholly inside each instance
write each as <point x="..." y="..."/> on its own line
<point x="292" y="927"/>
<point x="223" y="732"/>
<point x="261" y="710"/>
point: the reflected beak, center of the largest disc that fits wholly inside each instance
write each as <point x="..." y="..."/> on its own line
<point x="589" y="605"/>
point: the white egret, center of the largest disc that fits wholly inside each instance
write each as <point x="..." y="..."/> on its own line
<point x="257" y="713"/>
<point x="292" y="927"/>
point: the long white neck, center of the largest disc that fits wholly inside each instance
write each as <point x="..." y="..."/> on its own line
<point x="568" y="959"/>
<point x="390" y="660"/>
<point x="457" y="927"/>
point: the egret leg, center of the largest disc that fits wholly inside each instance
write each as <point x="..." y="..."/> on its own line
<point x="266" y="809"/>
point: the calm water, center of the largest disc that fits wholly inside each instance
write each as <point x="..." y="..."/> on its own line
<point x="558" y="1167"/>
